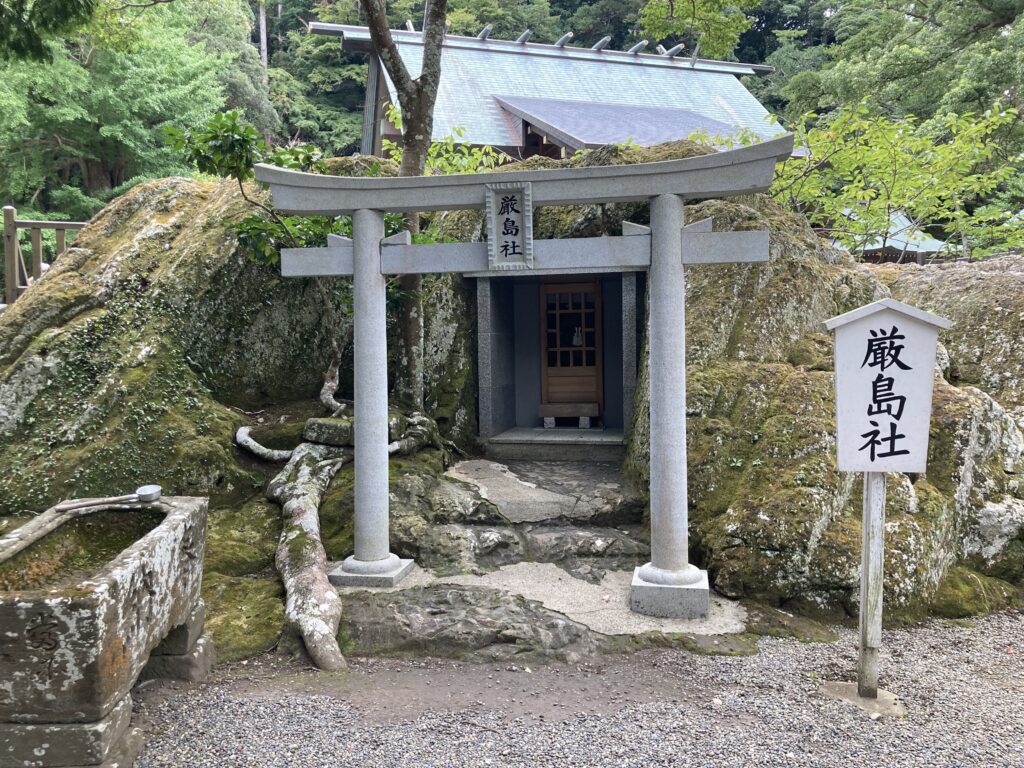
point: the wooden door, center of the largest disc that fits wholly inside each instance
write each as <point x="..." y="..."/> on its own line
<point x="570" y="322"/>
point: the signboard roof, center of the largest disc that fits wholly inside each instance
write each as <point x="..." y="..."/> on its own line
<point x="882" y="304"/>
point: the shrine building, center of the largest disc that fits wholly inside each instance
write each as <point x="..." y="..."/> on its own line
<point x="558" y="346"/>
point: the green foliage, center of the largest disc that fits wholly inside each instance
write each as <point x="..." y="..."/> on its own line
<point x="591" y="20"/>
<point x="25" y="25"/>
<point x="900" y="57"/>
<point x="449" y="155"/>
<point x="861" y="168"/>
<point x="715" y="24"/>
<point x="229" y="147"/>
<point x="94" y="116"/>
<point x="225" y="146"/>
<point x="315" y="86"/>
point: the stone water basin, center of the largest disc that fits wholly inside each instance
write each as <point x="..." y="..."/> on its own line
<point x="76" y="633"/>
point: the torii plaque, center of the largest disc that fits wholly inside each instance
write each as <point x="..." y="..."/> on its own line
<point x="669" y="585"/>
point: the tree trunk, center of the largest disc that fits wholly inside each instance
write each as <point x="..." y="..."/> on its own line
<point x="312" y="605"/>
<point x="417" y="98"/>
<point x="264" y="52"/>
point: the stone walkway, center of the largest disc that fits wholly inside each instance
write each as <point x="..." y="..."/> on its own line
<point x="602" y="607"/>
<point x="536" y="491"/>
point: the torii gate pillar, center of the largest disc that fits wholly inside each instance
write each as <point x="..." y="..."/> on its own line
<point x="669" y="585"/>
<point x="373" y="564"/>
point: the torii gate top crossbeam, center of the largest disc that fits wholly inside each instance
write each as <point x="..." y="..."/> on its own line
<point x="734" y="172"/>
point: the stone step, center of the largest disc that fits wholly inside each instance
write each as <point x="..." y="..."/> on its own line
<point x="561" y="492"/>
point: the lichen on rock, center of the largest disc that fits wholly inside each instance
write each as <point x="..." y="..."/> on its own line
<point x="116" y="368"/>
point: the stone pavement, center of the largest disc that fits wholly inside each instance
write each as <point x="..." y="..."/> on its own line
<point x="603" y="607"/>
<point x="537" y="491"/>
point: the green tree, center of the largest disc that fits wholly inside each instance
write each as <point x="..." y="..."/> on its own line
<point x="591" y="20"/>
<point x="714" y="24"/>
<point x="26" y="25"/>
<point x="859" y="169"/>
<point x="917" y="58"/>
<point x="81" y="126"/>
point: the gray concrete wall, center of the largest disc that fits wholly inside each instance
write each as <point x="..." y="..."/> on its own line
<point x="611" y="331"/>
<point x="526" y="307"/>
<point x="495" y="356"/>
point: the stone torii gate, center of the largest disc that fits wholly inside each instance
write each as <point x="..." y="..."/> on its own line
<point x="669" y="585"/>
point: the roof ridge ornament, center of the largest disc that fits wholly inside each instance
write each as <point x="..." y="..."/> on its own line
<point x="564" y="40"/>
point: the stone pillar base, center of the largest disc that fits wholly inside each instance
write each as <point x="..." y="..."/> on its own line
<point x="191" y="667"/>
<point x="126" y="753"/>
<point x="670" y="601"/>
<point x="353" y="573"/>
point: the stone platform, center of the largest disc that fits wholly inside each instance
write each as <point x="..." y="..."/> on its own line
<point x="551" y="491"/>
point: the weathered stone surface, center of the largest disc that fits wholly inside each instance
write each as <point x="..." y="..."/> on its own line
<point x="241" y="539"/>
<point x="447" y="620"/>
<point x="70" y="655"/>
<point x="985" y="301"/>
<point x="125" y="754"/>
<point x="329" y="431"/>
<point x="66" y="744"/>
<point x="191" y="667"/>
<point x="183" y="638"/>
<point x="111" y="367"/>
<point x="770" y="516"/>
<point x="246" y="614"/>
<point x="563" y="491"/>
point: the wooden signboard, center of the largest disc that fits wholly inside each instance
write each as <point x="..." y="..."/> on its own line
<point x="885" y="361"/>
<point x="885" y="367"/>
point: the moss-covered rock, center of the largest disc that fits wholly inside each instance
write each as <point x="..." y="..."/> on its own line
<point x="242" y="539"/>
<point x="117" y="367"/>
<point x="985" y="301"/>
<point x="963" y="592"/>
<point x="771" y="517"/>
<point x="245" y="614"/>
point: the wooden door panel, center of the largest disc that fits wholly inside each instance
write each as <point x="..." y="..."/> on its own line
<point x="570" y="329"/>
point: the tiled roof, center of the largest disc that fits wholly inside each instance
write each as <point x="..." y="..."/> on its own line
<point x="669" y="97"/>
<point x="586" y="124"/>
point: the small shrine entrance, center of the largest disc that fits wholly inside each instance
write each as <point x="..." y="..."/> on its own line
<point x="571" y="351"/>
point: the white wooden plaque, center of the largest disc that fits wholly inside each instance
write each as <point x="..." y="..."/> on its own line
<point x="885" y="360"/>
<point x="510" y="226"/>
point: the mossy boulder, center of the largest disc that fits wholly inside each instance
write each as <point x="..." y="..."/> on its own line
<point x="428" y="513"/>
<point x="245" y="614"/>
<point x="242" y="539"/>
<point x="963" y="593"/>
<point x="118" y="367"/>
<point x="771" y="518"/>
<point x="985" y="301"/>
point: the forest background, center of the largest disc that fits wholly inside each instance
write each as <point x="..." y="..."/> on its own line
<point x="89" y="89"/>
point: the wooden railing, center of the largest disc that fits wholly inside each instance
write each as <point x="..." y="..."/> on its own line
<point x="17" y="275"/>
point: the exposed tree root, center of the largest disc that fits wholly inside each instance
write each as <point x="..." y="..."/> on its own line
<point x="420" y="431"/>
<point x="312" y="605"/>
<point x="245" y="440"/>
<point x="327" y="391"/>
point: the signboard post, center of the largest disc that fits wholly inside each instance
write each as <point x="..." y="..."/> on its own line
<point x="884" y="362"/>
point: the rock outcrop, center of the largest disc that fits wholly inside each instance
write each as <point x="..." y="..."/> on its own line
<point x="136" y="357"/>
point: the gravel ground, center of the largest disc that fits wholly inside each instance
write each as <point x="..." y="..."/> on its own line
<point x="963" y="686"/>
